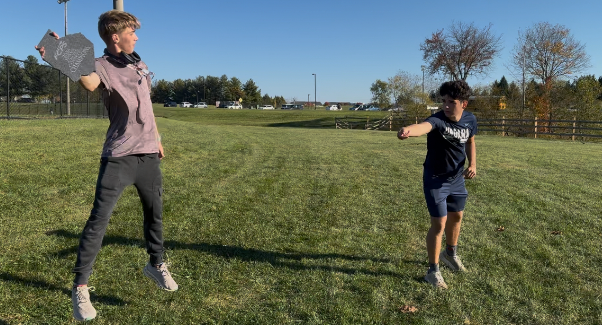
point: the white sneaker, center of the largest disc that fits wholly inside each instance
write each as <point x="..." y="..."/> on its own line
<point x="161" y="276"/>
<point x="436" y="280"/>
<point x="82" y="307"/>
<point x="453" y="262"/>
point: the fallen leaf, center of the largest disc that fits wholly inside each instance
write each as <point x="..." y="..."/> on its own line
<point x="501" y="228"/>
<point x="408" y="309"/>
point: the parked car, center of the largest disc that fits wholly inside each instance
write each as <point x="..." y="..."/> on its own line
<point x="356" y="107"/>
<point x="234" y="106"/>
<point x="25" y="100"/>
<point x="200" y="105"/>
<point x="288" y="106"/>
<point x="332" y="108"/>
<point x="170" y="104"/>
<point x="266" y="107"/>
<point x="372" y="108"/>
<point x="186" y="104"/>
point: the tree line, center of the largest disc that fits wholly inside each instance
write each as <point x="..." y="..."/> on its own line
<point x="545" y="64"/>
<point x="211" y="89"/>
<point x="27" y="77"/>
<point x="41" y="82"/>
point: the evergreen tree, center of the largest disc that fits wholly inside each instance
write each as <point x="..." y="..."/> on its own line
<point x="16" y="78"/>
<point x="252" y="94"/>
<point x="267" y="100"/>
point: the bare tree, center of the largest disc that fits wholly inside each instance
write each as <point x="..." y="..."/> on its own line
<point x="549" y="52"/>
<point x="404" y="87"/>
<point x="463" y="51"/>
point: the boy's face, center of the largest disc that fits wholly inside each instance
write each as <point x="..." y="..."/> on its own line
<point x="126" y="40"/>
<point x="453" y="108"/>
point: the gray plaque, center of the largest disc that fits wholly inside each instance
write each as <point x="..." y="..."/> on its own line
<point x="72" y="54"/>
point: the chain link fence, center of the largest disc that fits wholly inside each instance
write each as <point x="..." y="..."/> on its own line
<point x="32" y="90"/>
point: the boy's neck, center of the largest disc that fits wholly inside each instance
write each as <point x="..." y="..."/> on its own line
<point x="455" y="118"/>
<point x="114" y="50"/>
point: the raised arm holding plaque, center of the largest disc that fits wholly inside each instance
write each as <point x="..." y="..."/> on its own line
<point x="73" y="54"/>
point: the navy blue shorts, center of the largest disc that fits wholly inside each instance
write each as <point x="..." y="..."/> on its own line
<point x="444" y="194"/>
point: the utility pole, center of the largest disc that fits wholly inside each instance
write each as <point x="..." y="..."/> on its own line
<point x="315" y="106"/>
<point x="422" y="68"/>
<point x="118" y="5"/>
<point x="523" y="70"/>
<point x="524" y="97"/>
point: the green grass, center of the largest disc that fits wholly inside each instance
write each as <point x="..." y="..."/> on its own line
<point x="306" y="118"/>
<point x="266" y="224"/>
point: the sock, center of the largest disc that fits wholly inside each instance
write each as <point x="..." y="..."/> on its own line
<point x="433" y="268"/>
<point x="451" y="250"/>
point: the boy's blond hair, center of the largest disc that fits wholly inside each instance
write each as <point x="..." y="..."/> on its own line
<point x="115" y="22"/>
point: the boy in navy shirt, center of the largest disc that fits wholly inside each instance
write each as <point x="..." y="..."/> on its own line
<point x="450" y="140"/>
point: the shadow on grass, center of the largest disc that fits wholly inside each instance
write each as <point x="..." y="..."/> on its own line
<point x="325" y="122"/>
<point x="291" y="260"/>
<point x="41" y="284"/>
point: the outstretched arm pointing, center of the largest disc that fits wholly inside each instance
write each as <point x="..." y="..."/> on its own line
<point x="414" y="130"/>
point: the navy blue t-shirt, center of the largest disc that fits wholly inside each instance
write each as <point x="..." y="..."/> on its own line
<point x="446" y="144"/>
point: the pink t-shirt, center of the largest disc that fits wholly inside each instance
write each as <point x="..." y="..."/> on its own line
<point x="126" y="95"/>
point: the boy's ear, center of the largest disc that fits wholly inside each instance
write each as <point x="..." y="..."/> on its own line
<point x="464" y="104"/>
<point x="115" y="38"/>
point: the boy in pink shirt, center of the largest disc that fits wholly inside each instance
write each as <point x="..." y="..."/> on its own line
<point x="131" y="154"/>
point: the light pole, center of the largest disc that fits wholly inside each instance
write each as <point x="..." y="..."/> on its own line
<point x="315" y="106"/>
<point x="422" y="67"/>
<point x="118" y="5"/>
<point x="68" y="92"/>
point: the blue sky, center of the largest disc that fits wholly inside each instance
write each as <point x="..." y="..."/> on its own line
<point x="279" y="44"/>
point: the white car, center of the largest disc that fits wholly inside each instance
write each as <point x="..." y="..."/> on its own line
<point x="234" y="106"/>
<point x="266" y="107"/>
<point x="332" y="108"/>
<point x="186" y="104"/>
<point x="200" y="105"/>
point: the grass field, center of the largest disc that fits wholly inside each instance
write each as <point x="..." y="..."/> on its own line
<point x="275" y="217"/>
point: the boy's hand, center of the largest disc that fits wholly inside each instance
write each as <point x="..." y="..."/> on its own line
<point x="161" y="152"/>
<point x="470" y="172"/>
<point x="403" y="134"/>
<point x="41" y="49"/>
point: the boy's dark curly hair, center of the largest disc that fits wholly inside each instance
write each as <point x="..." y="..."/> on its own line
<point x="458" y="89"/>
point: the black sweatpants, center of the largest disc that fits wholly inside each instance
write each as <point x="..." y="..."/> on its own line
<point x="114" y="175"/>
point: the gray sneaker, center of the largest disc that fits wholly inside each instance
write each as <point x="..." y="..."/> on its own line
<point x="436" y="280"/>
<point x="453" y="262"/>
<point x="82" y="307"/>
<point x="161" y="276"/>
